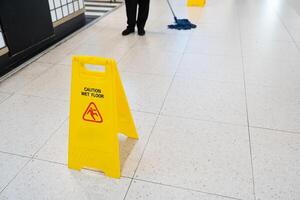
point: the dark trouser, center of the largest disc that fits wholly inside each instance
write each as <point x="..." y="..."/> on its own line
<point x="131" y="9"/>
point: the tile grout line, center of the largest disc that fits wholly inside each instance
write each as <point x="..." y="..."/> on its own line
<point x="141" y="111"/>
<point x="132" y="178"/>
<point x="3" y="92"/>
<point x="186" y="189"/>
<point x="277" y="130"/>
<point x="26" y="84"/>
<point x="128" y="177"/>
<point x="246" y="103"/>
<point x="225" y="123"/>
<point x="151" y="132"/>
<point x="286" y="28"/>
<point x="19" y="92"/>
<point x="49" y="138"/>
<point x="22" y="66"/>
<point x="127" y="52"/>
<point x="6" y="98"/>
<point x="15" y="154"/>
<point x="218" y="122"/>
<point x="50" y="161"/>
<point x="155" y="123"/>
<point x="43" y="97"/>
<point x="166" y="115"/>
<point x="204" y="120"/>
<point x="29" y="160"/>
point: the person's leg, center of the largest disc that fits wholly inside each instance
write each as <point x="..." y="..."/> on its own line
<point x="143" y="15"/>
<point x="131" y="9"/>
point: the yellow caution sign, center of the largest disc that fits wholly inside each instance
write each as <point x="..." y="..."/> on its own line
<point x="99" y="111"/>
<point x="199" y="3"/>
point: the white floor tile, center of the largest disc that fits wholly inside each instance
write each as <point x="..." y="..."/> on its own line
<point x="145" y="92"/>
<point x="214" y="46"/>
<point x="109" y="51"/>
<point x="296" y="34"/>
<point x="54" y="84"/>
<point x="198" y="155"/>
<point x="216" y="30"/>
<point x="67" y="60"/>
<point x="67" y="46"/>
<point x="56" y="148"/>
<point x="215" y="68"/>
<point x="264" y="31"/>
<point x="210" y="18"/>
<point x="206" y="100"/>
<point x="10" y="165"/>
<point x="97" y="40"/>
<point x="19" y="80"/>
<point x="288" y="14"/>
<point x="261" y="12"/>
<point x="149" y="191"/>
<point x="161" y="63"/>
<point x="108" y="37"/>
<point x="293" y="26"/>
<point x="43" y="180"/>
<point x="219" y="14"/>
<point x="272" y="73"/>
<point x="3" y="96"/>
<point x="52" y="57"/>
<point x="132" y="150"/>
<point x="276" y="164"/>
<point x="275" y="108"/>
<point x="119" y="24"/>
<point x="115" y="21"/>
<point x="27" y="122"/>
<point x="281" y="51"/>
<point x="106" y="42"/>
<point x="163" y="43"/>
<point x="266" y="35"/>
<point x="84" y="35"/>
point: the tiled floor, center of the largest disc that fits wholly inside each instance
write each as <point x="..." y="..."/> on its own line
<point x="217" y="108"/>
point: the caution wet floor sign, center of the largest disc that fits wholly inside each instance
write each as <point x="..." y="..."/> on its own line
<point x="197" y="3"/>
<point x="99" y="111"/>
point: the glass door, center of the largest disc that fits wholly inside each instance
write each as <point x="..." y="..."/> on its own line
<point x="2" y="43"/>
<point x="3" y="48"/>
<point x="64" y="10"/>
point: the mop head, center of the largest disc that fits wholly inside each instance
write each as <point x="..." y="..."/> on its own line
<point x="182" y="24"/>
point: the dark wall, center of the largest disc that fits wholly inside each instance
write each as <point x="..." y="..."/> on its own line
<point x="25" y="23"/>
<point x="28" y="30"/>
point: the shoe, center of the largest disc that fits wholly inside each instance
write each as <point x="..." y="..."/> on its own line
<point x="127" y="31"/>
<point x="141" y="32"/>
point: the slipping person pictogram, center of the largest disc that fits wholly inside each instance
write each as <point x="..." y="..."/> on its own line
<point x="92" y="114"/>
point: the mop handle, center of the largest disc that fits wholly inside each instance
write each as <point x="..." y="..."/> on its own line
<point x="172" y="10"/>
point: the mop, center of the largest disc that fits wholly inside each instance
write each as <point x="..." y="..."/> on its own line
<point x="180" y="24"/>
